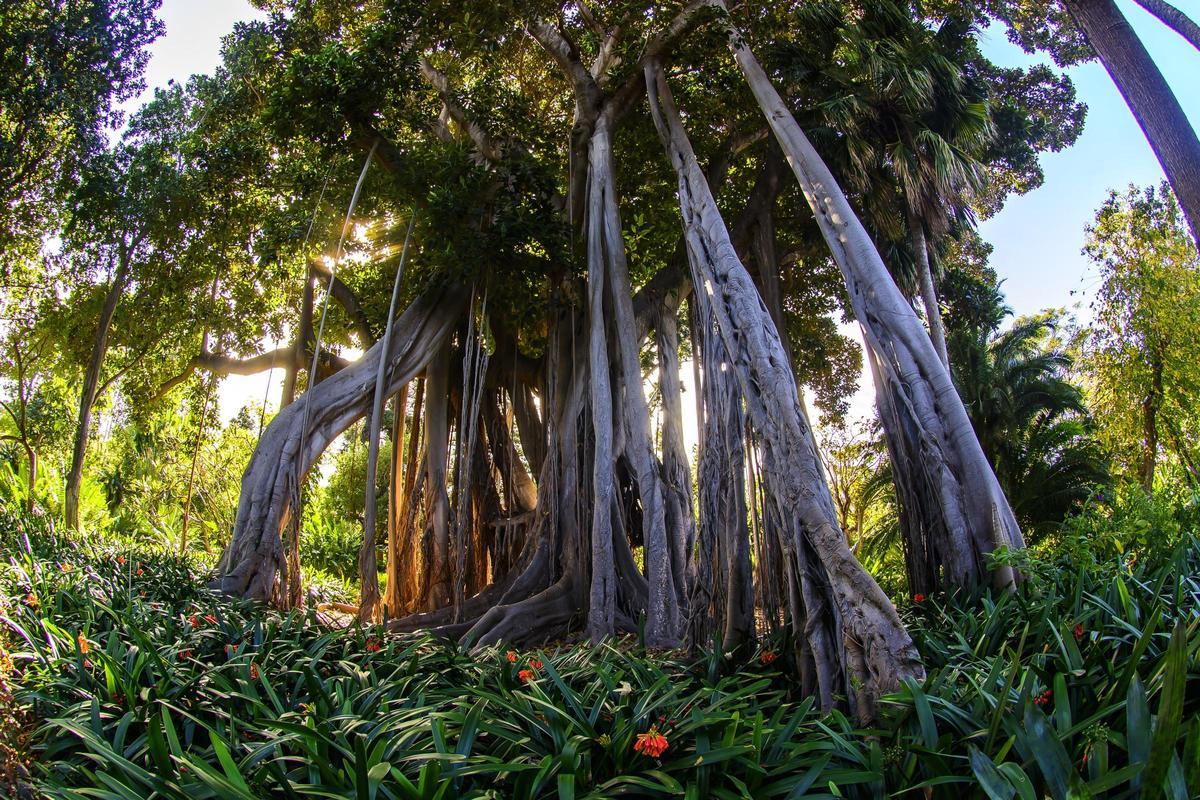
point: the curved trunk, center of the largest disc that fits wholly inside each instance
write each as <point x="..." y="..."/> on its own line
<point x="854" y="630"/>
<point x="294" y="440"/>
<point x="930" y="422"/>
<point x="87" y="394"/>
<point x="1148" y="96"/>
<point x="393" y="595"/>
<point x="1174" y="19"/>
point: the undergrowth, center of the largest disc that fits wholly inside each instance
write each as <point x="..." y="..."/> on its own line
<point x="130" y="680"/>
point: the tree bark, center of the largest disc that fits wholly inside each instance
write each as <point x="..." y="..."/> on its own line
<point x="856" y="634"/>
<point x="294" y="440"/>
<point x="929" y="298"/>
<point x="1174" y="19"/>
<point x="930" y="425"/>
<point x="393" y="596"/>
<point x="437" y="437"/>
<point x="1150" y="406"/>
<point x="91" y="379"/>
<point x="1148" y="96"/>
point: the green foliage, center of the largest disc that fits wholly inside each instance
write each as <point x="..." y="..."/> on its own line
<point x="1140" y="356"/>
<point x="1081" y="684"/>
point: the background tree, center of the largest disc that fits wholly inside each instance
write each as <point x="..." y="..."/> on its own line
<point x="1140" y="359"/>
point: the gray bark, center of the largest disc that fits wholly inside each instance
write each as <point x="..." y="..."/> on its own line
<point x="872" y="651"/>
<point x="271" y="483"/>
<point x="91" y="380"/>
<point x="929" y="298"/>
<point x="974" y="515"/>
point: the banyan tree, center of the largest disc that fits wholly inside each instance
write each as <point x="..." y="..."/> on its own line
<point x="600" y="234"/>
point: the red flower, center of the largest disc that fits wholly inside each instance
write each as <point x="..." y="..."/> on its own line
<point x="527" y="675"/>
<point x="373" y="645"/>
<point x="918" y="598"/>
<point x="121" y="560"/>
<point x="31" y="600"/>
<point x="211" y="619"/>
<point x="535" y="663"/>
<point x="1043" y="698"/>
<point x="253" y="671"/>
<point x="87" y="663"/>
<point x="511" y="655"/>
<point x="1078" y="632"/>
<point x="652" y="743"/>
<point x="194" y="621"/>
<point x="184" y="655"/>
<point x="767" y="656"/>
<point x="139" y="571"/>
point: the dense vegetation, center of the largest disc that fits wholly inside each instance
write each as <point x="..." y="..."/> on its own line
<point x="1083" y="683"/>
<point x="560" y="491"/>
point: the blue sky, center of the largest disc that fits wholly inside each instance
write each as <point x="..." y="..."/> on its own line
<point x="1037" y="237"/>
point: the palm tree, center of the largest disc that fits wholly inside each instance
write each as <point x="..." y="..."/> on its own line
<point x="1030" y="420"/>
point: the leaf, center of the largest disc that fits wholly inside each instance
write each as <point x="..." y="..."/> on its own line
<point x="995" y="784"/>
<point x="1170" y="711"/>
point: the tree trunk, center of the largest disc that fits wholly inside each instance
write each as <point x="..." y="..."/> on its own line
<point x="929" y="298"/>
<point x="662" y="617"/>
<point x="437" y="438"/>
<point x="1174" y="19"/>
<point x="677" y="474"/>
<point x="393" y="596"/>
<point x="855" y="633"/>
<point x="91" y="379"/>
<point x="1150" y="408"/>
<point x="1148" y="96"/>
<point x="930" y="423"/>
<point x="295" y="439"/>
<point x="603" y="594"/>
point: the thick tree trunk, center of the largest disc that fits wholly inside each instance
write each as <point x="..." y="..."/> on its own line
<point x="603" y="594"/>
<point x="294" y="440"/>
<point x="1174" y="19"/>
<point x="1148" y="96"/>
<point x="854" y="632"/>
<point x="930" y="423"/>
<point x="929" y="298"/>
<point x="662" y="617"/>
<point x="91" y="380"/>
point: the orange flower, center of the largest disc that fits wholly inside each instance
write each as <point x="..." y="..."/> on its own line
<point x="918" y="598"/>
<point x="194" y="621"/>
<point x="511" y="655"/>
<point x="84" y="644"/>
<point x="768" y="656"/>
<point x="139" y="571"/>
<point x="211" y="619"/>
<point x="31" y="600"/>
<point x="373" y="645"/>
<point x="652" y="743"/>
<point x="184" y="655"/>
<point x="535" y="663"/>
<point x="64" y="566"/>
<point x="253" y="671"/>
<point x="87" y="663"/>
<point x="121" y="560"/>
<point x="527" y="675"/>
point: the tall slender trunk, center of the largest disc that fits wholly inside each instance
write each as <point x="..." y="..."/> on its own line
<point x="437" y="435"/>
<point x="929" y="298"/>
<point x="392" y="594"/>
<point x="1148" y="96"/>
<point x="91" y="380"/>
<point x="187" y="500"/>
<point x="1150" y="407"/>
<point x="287" y="393"/>
<point x="677" y="474"/>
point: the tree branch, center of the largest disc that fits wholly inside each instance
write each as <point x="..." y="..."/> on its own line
<point x="345" y="297"/>
<point x="487" y="147"/>
<point x="1174" y="19"/>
